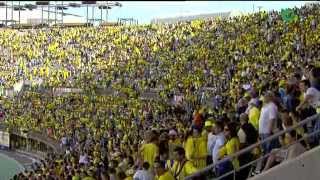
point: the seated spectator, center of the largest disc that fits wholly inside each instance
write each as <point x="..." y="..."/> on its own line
<point x="291" y="149"/>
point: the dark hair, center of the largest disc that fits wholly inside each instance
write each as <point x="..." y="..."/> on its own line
<point x="112" y="170"/>
<point x="180" y="151"/>
<point x="122" y="175"/>
<point x="315" y="72"/>
<point x="146" y="165"/>
<point x="232" y="126"/>
<point x="306" y="82"/>
<point x="162" y="164"/>
<point x="219" y="124"/>
<point x="293" y="134"/>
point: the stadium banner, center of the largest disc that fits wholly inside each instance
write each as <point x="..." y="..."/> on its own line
<point x="4" y="139"/>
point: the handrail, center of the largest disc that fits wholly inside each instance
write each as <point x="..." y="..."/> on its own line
<point x="264" y="156"/>
<point x="250" y="148"/>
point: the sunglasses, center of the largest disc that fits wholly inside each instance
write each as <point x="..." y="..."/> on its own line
<point x="226" y="129"/>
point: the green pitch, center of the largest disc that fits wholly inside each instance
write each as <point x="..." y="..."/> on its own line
<point x="8" y="167"/>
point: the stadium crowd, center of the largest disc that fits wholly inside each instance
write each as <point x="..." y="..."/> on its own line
<point x="262" y="72"/>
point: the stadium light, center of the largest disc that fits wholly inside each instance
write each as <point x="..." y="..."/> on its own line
<point x="118" y="4"/>
<point x="74" y="5"/>
<point x="62" y="7"/>
<point x="30" y="7"/>
<point x="106" y="8"/>
<point x="19" y="8"/>
<point x="2" y="4"/>
<point x="42" y="3"/>
<point x="88" y="2"/>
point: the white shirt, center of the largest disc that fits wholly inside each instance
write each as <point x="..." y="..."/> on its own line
<point x="268" y="113"/>
<point x="83" y="159"/>
<point x="315" y="97"/>
<point x="64" y="140"/>
<point x="142" y="175"/>
<point x="211" y="141"/>
<point x="242" y="136"/>
<point x="219" y="143"/>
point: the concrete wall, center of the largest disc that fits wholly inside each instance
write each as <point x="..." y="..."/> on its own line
<point x="304" y="167"/>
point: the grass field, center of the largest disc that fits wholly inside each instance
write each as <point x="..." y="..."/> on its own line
<point x="8" y="167"/>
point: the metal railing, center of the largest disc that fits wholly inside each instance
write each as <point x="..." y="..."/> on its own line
<point x="211" y="167"/>
<point x="32" y="141"/>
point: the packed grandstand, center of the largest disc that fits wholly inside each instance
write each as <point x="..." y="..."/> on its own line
<point x="222" y="85"/>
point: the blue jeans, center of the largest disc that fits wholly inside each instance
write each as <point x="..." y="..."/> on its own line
<point x="268" y="146"/>
<point x="223" y="168"/>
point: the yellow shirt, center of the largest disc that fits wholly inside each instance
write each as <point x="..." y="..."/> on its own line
<point x="200" y="152"/>
<point x="187" y="169"/>
<point x="254" y="115"/>
<point x="88" y="178"/>
<point x="166" y="176"/>
<point x="232" y="146"/>
<point x="149" y="152"/>
<point x="189" y="148"/>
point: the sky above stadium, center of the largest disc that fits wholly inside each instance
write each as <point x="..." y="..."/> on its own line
<point x="145" y="11"/>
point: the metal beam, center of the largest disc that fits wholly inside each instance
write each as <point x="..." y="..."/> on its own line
<point x="6" y="13"/>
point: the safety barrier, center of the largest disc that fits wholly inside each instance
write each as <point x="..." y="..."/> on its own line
<point x="249" y="149"/>
<point x="29" y="142"/>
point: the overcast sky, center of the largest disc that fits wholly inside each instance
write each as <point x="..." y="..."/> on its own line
<point x="145" y="11"/>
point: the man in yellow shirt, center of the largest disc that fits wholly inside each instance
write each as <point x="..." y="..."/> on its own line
<point x="162" y="172"/>
<point x="149" y="151"/>
<point x="182" y="167"/>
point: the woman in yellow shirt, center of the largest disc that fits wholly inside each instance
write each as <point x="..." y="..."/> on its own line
<point x="231" y="147"/>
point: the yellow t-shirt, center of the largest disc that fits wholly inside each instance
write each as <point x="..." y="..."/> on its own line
<point x="200" y="152"/>
<point x="149" y="152"/>
<point x="129" y="178"/>
<point x="254" y="115"/>
<point x="166" y="176"/>
<point x="187" y="169"/>
<point x="231" y="147"/>
<point x="189" y="148"/>
<point x="88" y="178"/>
